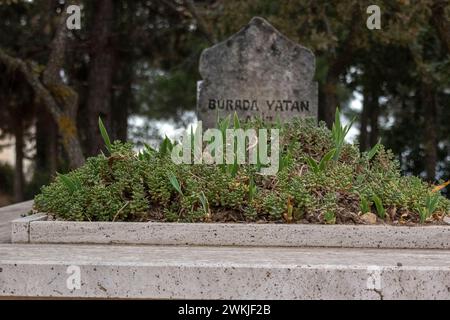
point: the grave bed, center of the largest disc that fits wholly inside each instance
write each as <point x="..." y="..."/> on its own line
<point x="37" y="229"/>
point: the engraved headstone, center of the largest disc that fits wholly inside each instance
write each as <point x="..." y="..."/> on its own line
<point x="257" y="72"/>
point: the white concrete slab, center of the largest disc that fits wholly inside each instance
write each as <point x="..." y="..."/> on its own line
<point x="233" y="234"/>
<point x="8" y="214"/>
<point x="163" y="272"/>
<point x="20" y="228"/>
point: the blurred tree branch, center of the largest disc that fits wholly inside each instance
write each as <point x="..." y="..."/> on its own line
<point x="60" y="99"/>
<point x="441" y="22"/>
<point x="201" y="24"/>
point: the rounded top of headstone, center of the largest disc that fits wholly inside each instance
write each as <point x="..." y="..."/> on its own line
<point x="258" y="46"/>
<point x="257" y="73"/>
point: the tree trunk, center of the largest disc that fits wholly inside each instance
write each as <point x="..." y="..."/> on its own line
<point x="322" y="104"/>
<point x="428" y="100"/>
<point x="52" y="148"/>
<point x="18" y="168"/>
<point x="121" y="104"/>
<point x="374" y="117"/>
<point x="71" y="143"/>
<point x="101" y="73"/>
<point x="338" y="65"/>
<point x="441" y="22"/>
<point x="364" y="136"/>
<point x="60" y="100"/>
<point x="331" y="100"/>
<point x="120" y="115"/>
<point x="63" y="109"/>
<point x="46" y="143"/>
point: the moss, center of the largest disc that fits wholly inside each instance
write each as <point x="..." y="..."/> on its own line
<point x="126" y="186"/>
<point x="67" y="127"/>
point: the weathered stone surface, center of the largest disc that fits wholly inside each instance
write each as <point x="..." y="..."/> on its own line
<point x="20" y="228"/>
<point x="8" y="214"/>
<point x="369" y="218"/>
<point x="257" y="72"/>
<point x="447" y="220"/>
<point x="165" y="272"/>
<point x="211" y="234"/>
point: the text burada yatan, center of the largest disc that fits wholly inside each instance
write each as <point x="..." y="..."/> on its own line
<point x="254" y="105"/>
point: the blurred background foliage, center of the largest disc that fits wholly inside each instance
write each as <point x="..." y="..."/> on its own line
<point x="135" y="64"/>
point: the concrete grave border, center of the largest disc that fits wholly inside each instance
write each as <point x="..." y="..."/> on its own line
<point x="179" y="272"/>
<point x="20" y="228"/>
<point x="36" y="229"/>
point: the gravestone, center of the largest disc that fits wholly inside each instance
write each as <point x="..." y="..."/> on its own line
<point x="257" y="72"/>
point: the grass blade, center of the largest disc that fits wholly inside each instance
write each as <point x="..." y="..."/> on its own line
<point x="326" y="158"/>
<point x="379" y="205"/>
<point x="174" y="182"/>
<point x="104" y="134"/>
<point x="313" y="164"/>
<point x="237" y="123"/>
<point x="372" y="153"/>
<point x="69" y="183"/>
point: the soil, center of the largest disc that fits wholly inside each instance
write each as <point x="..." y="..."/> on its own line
<point x="343" y="217"/>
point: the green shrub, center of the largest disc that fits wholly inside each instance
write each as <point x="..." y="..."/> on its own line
<point x="310" y="187"/>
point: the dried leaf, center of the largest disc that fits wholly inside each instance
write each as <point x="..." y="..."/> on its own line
<point x="442" y="186"/>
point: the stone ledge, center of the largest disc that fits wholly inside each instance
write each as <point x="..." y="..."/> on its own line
<point x="161" y="272"/>
<point x="8" y="214"/>
<point x="206" y="234"/>
<point x="20" y="228"/>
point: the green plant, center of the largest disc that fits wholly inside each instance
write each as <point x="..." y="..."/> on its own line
<point x="372" y="153"/>
<point x="289" y="216"/>
<point x="236" y="121"/>
<point x="285" y="160"/>
<point x="205" y="204"/>
<point x="166" y="147"/>
<point x="252" y="189"/>
<point x="321" y="166"/>
<point x="130" y="186"/>
<point x="104" y="135"/>
<point x="339" y="133"/>
<point x="364" y="205"/>
<point x="72" y="183"/>
<point x="175" y="184"/>
<point x="379" y="206"/>
<point x="275" y="205"/>
<point x="330" y="217"/>
<point x="431" y="204"/>
<point x="146" y="153"/>
<point x="223" y="125"/>
<point x="233" y="168"/>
